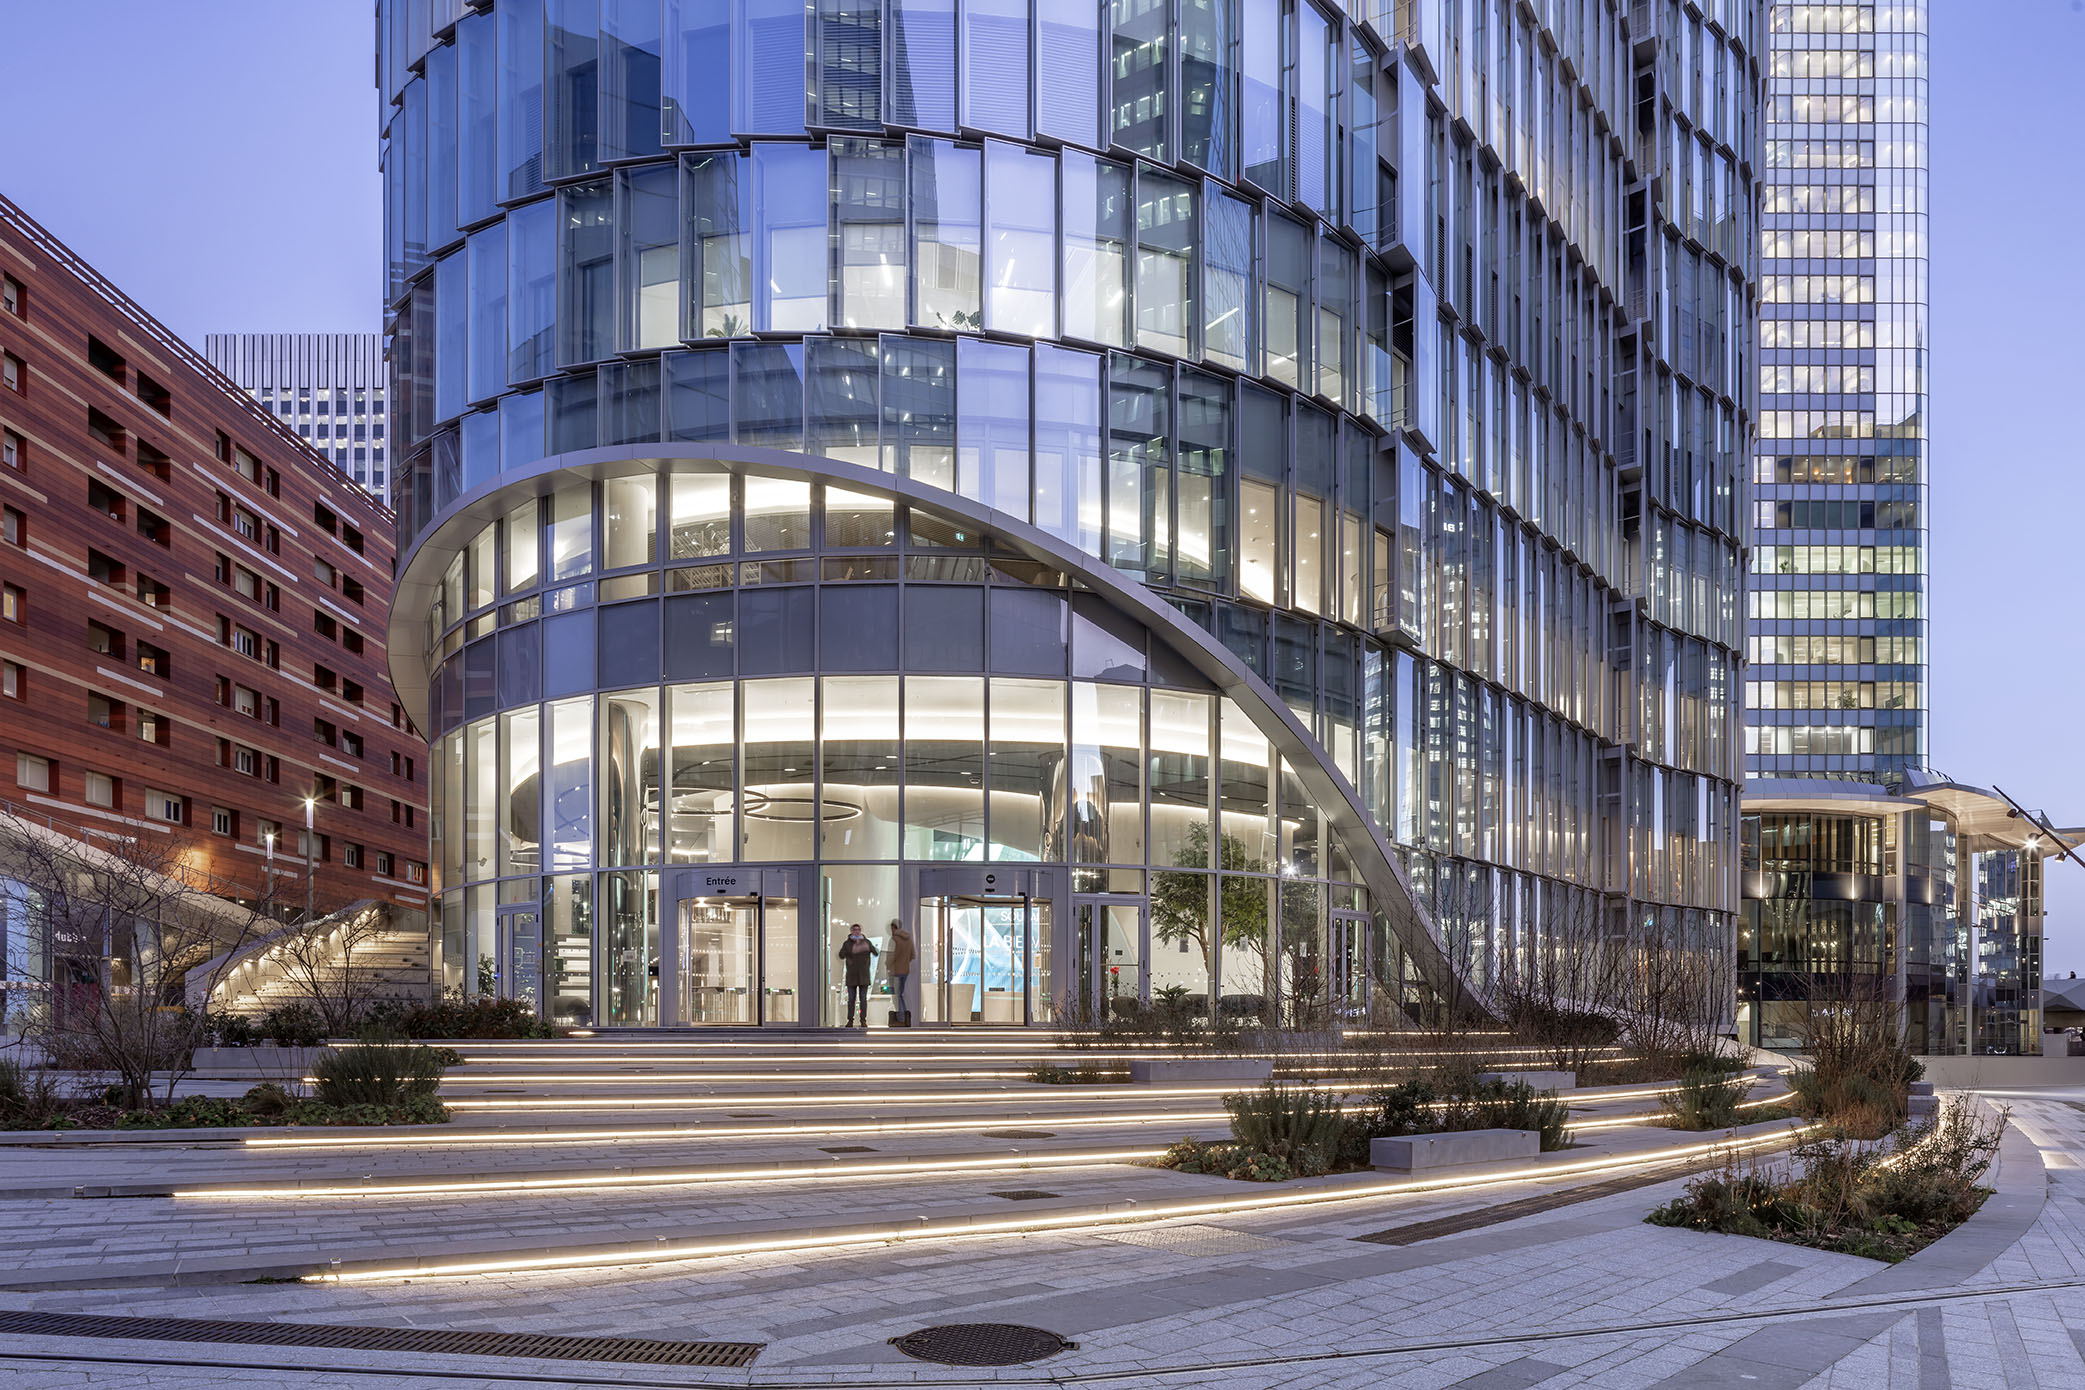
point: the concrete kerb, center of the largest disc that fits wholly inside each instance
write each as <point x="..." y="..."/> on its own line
<point x="2019" y="1182"/>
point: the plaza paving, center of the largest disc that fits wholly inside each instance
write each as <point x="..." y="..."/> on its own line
<point x="1581" y="1294"/>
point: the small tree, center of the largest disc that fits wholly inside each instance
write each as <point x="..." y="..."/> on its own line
<point x="119" y="923"/>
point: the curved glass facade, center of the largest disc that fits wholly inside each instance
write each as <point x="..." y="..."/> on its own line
<point x="1383" y="362"/>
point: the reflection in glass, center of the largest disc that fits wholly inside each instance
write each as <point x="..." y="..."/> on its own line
<point x="1179" y="779"/>
<point x="482" y="800"/>
<point x="485" y="258"/>
<point x="919" y="410"/>
<point x="1227" y="275"/>
<point x="1021" y="194"/>
<point x="630" y="77"/>
<point x="520" y="803"/>
<point x="769" y="86"/>
<point x="1096" y="249"/>
<point x="629" y="523"/>
<point x="1335" y="292"/>
<point x="1165" y="262"/>
<point x="1264" y="101"/>
<point x="698" y="826"/>
<point x="568" y="948"/>
<point x="1207" y="79"/>
<point x="995" y="66"/>
<point x="1202" y="549"/>
<point x="651" y="257"/>
<point x="789" y="199"/>
<point x="629" y="777"/>
<point x="1285" y="319"/>
<point x="450" y="322"/>
<point x="767" y="394"/>
<point x="778" y="514"/>
<point x="1067" y="446"/>
<point x="694" y="105"/>
<point x="777" y="755"/>
<point x="869" y="210"/>
<point x="863" y="756"/>
<point x="840" y="388"/>
<point x="1139" y="500"/>
<point x="531" y="291"/>
<point x="630" y="941"/>
<point x="477" y="156"/>
<point x="701" y="515"/>
<point x="716" y="204"/>
<point x="855" y="519"/>
<point x="946" y="243"/>
<point x="521" y="99"/>
<point x="572" y="532"/>
<point x="1140" y="69"/>
<point x="586" y="273"/>
<point x="1027" y="769"/>
<point x="571" y="827"/>
<point x="1067" y="78"/>
<point x="992" y="435"/>
<point x="847" y="63"/>
<point x="1317" y="185"/>
<point x="524" y="543"/>
<point x="944" y="767"/>
<point x="923" y="63"/>
<point x="1308" y="552"/>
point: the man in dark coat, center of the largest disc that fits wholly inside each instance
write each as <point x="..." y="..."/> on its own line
<point x="857" y="952"/>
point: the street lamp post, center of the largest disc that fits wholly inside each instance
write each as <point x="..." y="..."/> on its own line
<point x="268" y="838"/>
<point x="310" y="804"/>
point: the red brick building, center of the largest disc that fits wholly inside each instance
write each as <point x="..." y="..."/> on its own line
<point x="194" y="606"/>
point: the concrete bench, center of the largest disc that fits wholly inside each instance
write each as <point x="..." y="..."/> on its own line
<point x="1538" y="1080"/>
<point x="1170" y="1070"/>
<point x="1414" y="1153"/>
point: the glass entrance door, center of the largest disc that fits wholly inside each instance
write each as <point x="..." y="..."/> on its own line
<point x="992" y="959"/>
<point x="1350" y="933"/>
<point x="518" y="952"/>
<point x="719" y="960"/>
<point x="1114" y="936"/>
<point x="734" y="960"/>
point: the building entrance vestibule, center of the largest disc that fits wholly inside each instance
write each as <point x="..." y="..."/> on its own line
<point x="729" y="952"/>
<point x="985" y="945"/>
<point x="1114" y="954"/>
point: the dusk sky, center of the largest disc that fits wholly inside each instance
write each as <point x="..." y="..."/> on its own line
<point x="218" y="161"/>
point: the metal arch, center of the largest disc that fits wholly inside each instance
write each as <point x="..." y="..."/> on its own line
<point x="419" y="579"/>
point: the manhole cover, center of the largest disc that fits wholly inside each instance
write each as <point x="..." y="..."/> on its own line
<point x="1025" y="1194"/>
<point x="1020" y="1134"/>
<point x="848" y="1149"/>
<point x="981" y="1344"/>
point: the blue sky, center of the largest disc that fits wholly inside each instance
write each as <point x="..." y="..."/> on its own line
<point x="218" y="161"/>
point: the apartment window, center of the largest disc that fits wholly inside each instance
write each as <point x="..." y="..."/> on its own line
<point x="246" y="642"/>
<point x="105" y="359"/>
<point x="106" y="500"/>
<point x="383" y="862"/>
<point x="246" y="465"/>
<point x="351" y="691"/>
<point x="267" y="833"/>
<point x="350" y="796"/>
<point x="155" y="461"/>
<point x="247" y="583"/>
<point x="351" y="854"/>
<point x="415" y="871"/>
<point x="152" y="593"/>
<point x="323" y="678"/>
<point x="12" y="374"/>
<point x="352" y="537"/>
<point x="324" y="626"/>
<point x="101" y="790"/>
<point x="352" y="641"/>
<point x="14" y="680"/>
<point x="154" y="728"/>
<point x="246" y="523"/>
<point x="323" y="731"/>
<point x="351" y="589"/>
<point x="14" y="604"/>
<point x="104" y="640"/>
<point x="274" y="712"/>
<point x="105" y="569"/>
<point x="324" y="572"/>
<point x="271" y="599"/>
<point x="351" y="744"/>
<point x="14" y="527"/>
<point x="33" y="773"/>
<point x="246" y="761"/>
<point x="246" y="702"/>
<point x="224" y="447"/>
<point x="273" y="485"/>
<point x="12" y="298"/>
<point x="164" y="805"/>
<point x="154" y="528"/>
<point x="274" y="541"/>
<point x="104" y="712"/>
<point x="155" y="395"/>
<point x="107" y="432"/>
<point x="14" y="450"/>
<point x="155" y="661"/>
<point x="223" y="821"/>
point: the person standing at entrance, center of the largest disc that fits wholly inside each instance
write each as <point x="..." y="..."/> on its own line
<point x="856" y="954"/>
<point x="900" y="967"/>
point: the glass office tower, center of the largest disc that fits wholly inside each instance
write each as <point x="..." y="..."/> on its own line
<point x="1837" y="685"/>
<point x="1230" y="500"/>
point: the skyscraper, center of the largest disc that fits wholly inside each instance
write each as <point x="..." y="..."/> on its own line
<point x="326" y="387"/>
<point x="1237" y="500"/>
<point x="1837" y="685"/>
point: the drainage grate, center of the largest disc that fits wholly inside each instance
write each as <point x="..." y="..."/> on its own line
<point x="1026" y="1194"/>
<point x="753" y="1115"/>
<point x="848" y="1149"/>
<point x="630" y="1350"/>
<point x="1020" y="1134"/>
<point x="981" y="1344"/>
<point x="1530" y="1206"/>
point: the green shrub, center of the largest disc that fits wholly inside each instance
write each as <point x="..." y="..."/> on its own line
<point x="1386" y="1113"/>
<point x="1498" y="1104"/>
<point x="28" y="1100"/>
<point x="1706" y="1099"/>
<point x="1298" y="1125"/>
<point x="1260" y="1167"/>
<point x="382" y="1074"/>
<point x="1080" y="1074"/>
<point x="413" y="1110"/>
<point x="1200" y="1156"/>
<point x="267" y="1100"/>
<point x="292" y="1025"/>
<point x="231" y="1030"/>
<point x="204" y="1112"/>
<point x="456" y="1017"/>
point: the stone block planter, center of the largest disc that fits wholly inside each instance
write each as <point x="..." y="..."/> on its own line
<point x="1177" y="1070"/>
<point x="1539" y="1080"/>
<point x="265" y="1063"/>
<point x="1415" y="1153"/>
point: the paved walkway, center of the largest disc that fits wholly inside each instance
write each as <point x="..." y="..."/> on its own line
<point x="1584" y="1294"/>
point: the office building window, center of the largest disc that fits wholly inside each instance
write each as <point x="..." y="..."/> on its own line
<point x="32" y="773"/>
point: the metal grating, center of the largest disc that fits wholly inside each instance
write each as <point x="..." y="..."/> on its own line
<point x="1020" y="1134"/>
<point x="1026" y="1194"/>
<point x="981" y="1344"/>
<point x="627" y="1350"/>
